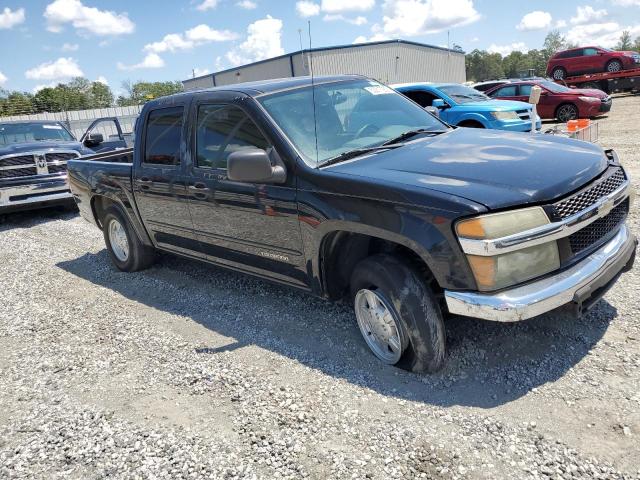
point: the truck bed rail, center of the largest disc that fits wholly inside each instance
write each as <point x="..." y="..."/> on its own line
<point x="124" y="155"/>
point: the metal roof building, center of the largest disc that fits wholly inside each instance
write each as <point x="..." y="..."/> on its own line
<point x="391" y="61"/>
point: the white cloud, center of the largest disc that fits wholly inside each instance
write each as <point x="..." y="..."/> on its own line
<point x="196" y="36"/>
<point x="605" y="34"/>
<point x="627" y="3"/>
<point x="37" y="88"/>
<point x="353" y="21"/>
<point x="198" y="72"/>
<point x="247" y="4"/>
<point x="62" y="68"/>
<point x="152" y="60"/>
<point x="419" y="17"/>
<point x="306" y="9"/>
<point x="341" y="6"/>
<point x="86" y="19"/>
<point x="207" y="5"/>
<point x="70" y="47"/>
<point x="3" y="78"/>
<point x="102" y="80"/>
<point x="561" y="24"/>
<point x="360" y="39"/>
<point x="587" y="14"/>
<point x="10" y="18"/>
<point x="505" y="50"/>
<point x="537" y="20"/>
<point x="263" y="41"/>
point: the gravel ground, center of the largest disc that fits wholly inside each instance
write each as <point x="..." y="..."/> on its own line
<point x="189" y="371"/>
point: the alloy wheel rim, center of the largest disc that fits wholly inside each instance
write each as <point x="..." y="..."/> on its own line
<point x="558" y="75"/>
<point x="118" y="240"/>
<point x="379" y="326"/>
<point x="614" y="67"/>
<point x="566" y="113"/>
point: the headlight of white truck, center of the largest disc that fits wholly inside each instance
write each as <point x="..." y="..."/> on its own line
<point x="510" y="115"/>
<point x="502" y="270"/>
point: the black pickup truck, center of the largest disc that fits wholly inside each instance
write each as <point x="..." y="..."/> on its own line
<point x="34" y="155"/>
<point x="346" y="188"/>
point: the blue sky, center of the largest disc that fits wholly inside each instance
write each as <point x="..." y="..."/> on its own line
<point x="44" y="42"/>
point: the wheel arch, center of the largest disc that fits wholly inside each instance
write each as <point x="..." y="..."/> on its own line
<point x="567" y="102"/>
<point x="343" y="247"/>
<point x="100" y="203"/>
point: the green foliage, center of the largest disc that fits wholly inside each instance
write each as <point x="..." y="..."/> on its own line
<point x="625" y="42"/>
<point x="141" y="92"/>
<point x="636" y="45"/>
<point x="482" y="65"/>
<point x="78" y="94"/>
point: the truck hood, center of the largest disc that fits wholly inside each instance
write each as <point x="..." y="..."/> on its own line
<point x="15" y="148"/>
<point x="493" y="106"/>
<point x="494" y="168"/>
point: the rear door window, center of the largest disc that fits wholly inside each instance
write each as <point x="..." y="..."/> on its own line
<point x="590" y="52"/>
<point x="163" y="136"/>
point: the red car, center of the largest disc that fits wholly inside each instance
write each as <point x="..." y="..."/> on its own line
<point x="579" y="61"/>
<point x="557" y="101"/>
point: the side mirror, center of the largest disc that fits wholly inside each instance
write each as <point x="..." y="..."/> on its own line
<point x="433" y="111"/>
<point x="438" y="103"/>
<point x="93" y="140"/>
<point x="254" y="166"/>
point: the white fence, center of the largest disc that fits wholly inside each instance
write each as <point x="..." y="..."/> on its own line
<point x="80" y="120"/>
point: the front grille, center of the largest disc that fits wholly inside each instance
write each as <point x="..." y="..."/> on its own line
<point x="17" y="160"/>
<point x="594" y="232"/>
<point x="18" y="172"/>
<point x="60" y="156"/>
<point x="524" y="114"/>
<point x="602" y="187"/>
<point x="57" y="168"/>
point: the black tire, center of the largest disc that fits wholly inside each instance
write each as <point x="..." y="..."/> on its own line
<point x="139" y="256"/>
<point x="614" y="66"/>
<point x="412" y="303"/>
<point x="559" y="73"/>
<point x="566" y="112"/>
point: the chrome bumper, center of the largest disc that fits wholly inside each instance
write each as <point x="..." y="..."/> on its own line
<point x="585" y="280"/>
<point x="52" y="190"/>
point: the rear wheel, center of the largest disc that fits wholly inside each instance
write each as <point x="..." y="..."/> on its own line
<point x="126" y="250"/>
<point x="614" y="66"/>
<point x="559" y="73"/>
<point x="398" y="314"/>
<point x="566" y="112"/>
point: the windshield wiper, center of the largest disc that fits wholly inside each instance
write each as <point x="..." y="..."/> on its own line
<point x="412" y="133"/>
<point x="356" y="153"/>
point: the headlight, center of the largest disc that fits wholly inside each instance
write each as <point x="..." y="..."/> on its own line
<point x="492" y="273"/>
<point x="511" y="115"/>
<point x="499" y="271"/>
<point x="589" y="99"/>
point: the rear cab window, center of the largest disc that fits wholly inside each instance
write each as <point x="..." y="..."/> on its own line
<point x="163" y="136"/>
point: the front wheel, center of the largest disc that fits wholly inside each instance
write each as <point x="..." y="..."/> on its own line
<point x="614" y="66"/>
<point x="567" y="112"/>
<point x="559" y="73"/>
<point x="398" y="314"/>
<point x="126" y="250"/>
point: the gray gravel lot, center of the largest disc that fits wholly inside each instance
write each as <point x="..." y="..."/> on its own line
<point x="189" y="371"/>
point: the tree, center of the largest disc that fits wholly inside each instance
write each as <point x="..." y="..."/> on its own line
<point x="100" y="95"/>
<point x="636" y="45"/>
<point x="625" y="42"/>
<point x="553" y="42"/>
<point x="482" y="65"/>
<point x="141" y="92"/>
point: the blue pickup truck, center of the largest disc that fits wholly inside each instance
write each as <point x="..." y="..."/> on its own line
<point x="464" y="106"/>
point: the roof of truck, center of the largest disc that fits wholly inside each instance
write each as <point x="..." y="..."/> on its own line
<point x="277" y="84"/>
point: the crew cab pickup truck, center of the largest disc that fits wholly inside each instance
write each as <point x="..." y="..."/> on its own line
<point x="347" y="189"/>
<point x="33" y="160"/>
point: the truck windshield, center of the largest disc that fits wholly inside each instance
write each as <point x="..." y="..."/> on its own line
<point x="463" y="94"/>
<point x="33" y="132"/>
<point x="348" y="116"/>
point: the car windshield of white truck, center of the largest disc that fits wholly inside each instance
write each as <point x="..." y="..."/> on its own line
<point x="33" y="132"/>
<point x="331" y="119"/>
